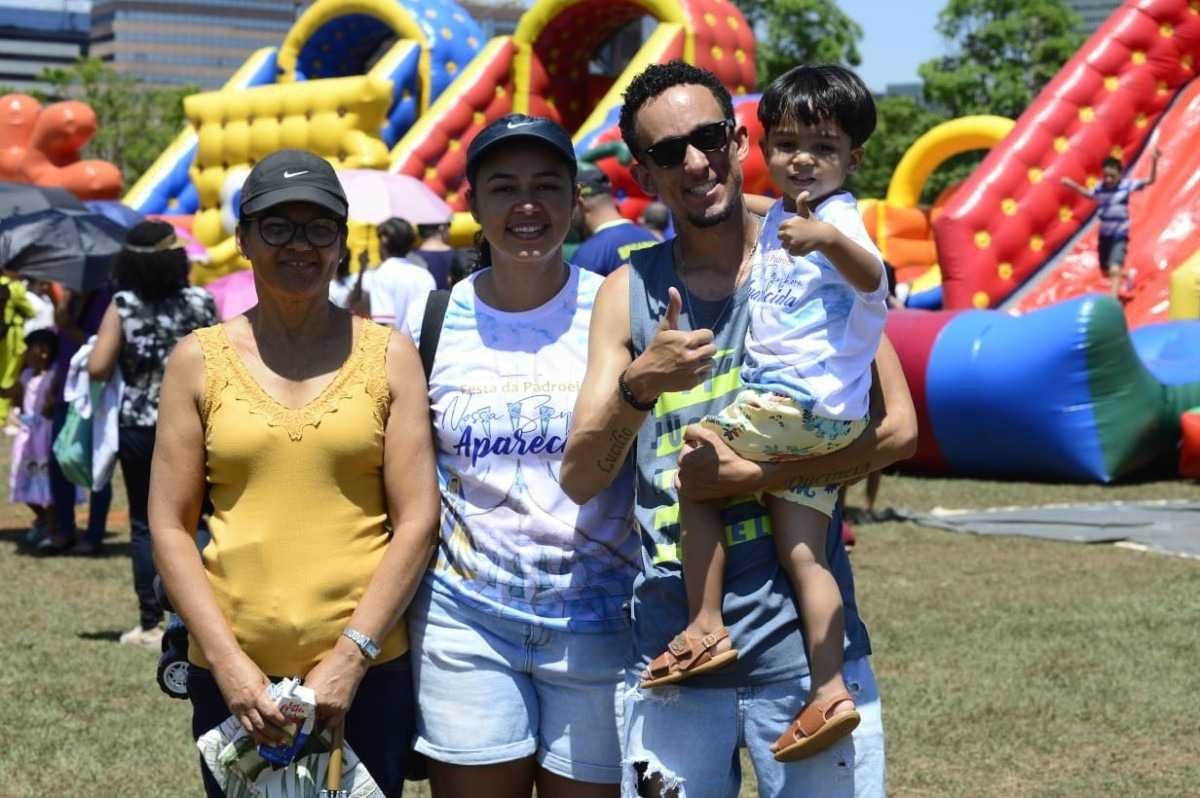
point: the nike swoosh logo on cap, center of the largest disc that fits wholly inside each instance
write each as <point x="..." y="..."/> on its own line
<point x="519" y="123"/>
<point x="287" y="174"/>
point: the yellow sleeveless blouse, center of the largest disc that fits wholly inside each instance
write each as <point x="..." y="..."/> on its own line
<point x="298" y="504"/>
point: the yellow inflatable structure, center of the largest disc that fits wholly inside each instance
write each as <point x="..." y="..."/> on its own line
<point x="348" y="81"/>
<point x="938" y="145"/>
<point x="1185" y="291"/>
<point x="340" y="122"/>
<point x="901" y="229"/>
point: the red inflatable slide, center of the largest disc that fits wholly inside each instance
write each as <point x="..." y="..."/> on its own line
<point x="1165" y="226"/>
<point x="1012" y="216"/>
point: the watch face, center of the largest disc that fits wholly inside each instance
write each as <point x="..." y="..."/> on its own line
<point x="366" y="644"/>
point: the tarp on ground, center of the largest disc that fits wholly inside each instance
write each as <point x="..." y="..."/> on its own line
<point x="1167" y="526"/>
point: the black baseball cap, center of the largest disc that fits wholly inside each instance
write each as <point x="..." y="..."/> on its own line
<point x="519" y="126"/>
<point x="593" y="181"/>
<point x="292" y="176"/>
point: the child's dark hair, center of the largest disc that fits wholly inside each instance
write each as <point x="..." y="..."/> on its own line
<point x="809" y="94"/>
<point x="656" y="79"/>
<point x="1112" y="162"/>
<point x="43" y="337"/>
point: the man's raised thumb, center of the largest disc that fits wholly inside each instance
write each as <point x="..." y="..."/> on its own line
<point x="670" y="319"/>
<point x="802" y="208"/>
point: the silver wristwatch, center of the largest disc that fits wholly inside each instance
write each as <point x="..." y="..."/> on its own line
<point x="365" y="644"/>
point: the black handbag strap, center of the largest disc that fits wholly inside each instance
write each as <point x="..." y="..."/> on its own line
<point x="431" y="328"/>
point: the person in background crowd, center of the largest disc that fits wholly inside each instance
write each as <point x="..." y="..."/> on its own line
<point x="309" y="428"/>
<point x="77" y="318"/>
<point x="397" y="283"/>
<point x="1112" y="196"/>
<point x="15" y="310"/>
<point x="29" y="480"/>
<point x="41" y="300"/>
<point x="436" y="250"/>
<point x="657" y="219"/>
<point x="610" y="236"/>
<point x="153" y="309"/>
<point x="347" y="289"/>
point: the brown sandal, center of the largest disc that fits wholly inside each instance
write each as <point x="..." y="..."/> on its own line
<point x="814" y="729"/>
<point x="686" y="657"/>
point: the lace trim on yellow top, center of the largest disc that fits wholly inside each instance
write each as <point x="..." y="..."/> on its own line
<point x="365" y="366"/>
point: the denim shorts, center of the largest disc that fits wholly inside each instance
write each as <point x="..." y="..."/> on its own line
<point x="493" y="690"/>
<point x="379" y="725"/>
<point x="689" y="737"/>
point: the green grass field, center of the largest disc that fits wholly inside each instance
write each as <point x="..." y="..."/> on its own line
<point x="1008" y="666"/>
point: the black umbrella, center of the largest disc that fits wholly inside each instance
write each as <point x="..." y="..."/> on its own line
<point x="17" y="199"/>
<point x="75" y="248"/>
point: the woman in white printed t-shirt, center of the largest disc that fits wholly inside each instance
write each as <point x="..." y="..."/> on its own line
<point x="520" y="631"/>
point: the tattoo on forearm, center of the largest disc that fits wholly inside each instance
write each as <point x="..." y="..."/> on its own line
<point x="619" y="440"/>
<point x="833" y="477"/>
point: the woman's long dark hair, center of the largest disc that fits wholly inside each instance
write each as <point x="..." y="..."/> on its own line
<point x="152" y="264"/>
<point x="482" y="254"/>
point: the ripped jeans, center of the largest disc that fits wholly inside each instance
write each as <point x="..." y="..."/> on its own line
<point x="687" y="739"/>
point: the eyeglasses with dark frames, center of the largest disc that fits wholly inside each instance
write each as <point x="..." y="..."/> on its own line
<point x="670" y="153"/>
<point x="277" y="231"/>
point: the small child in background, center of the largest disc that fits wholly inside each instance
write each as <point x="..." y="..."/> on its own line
<point x="29" y="481"/>
<point x="817" y="310"/>
<point x="1112" y="198"/>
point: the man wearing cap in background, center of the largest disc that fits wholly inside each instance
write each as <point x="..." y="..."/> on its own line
<point x="611" y="237"/>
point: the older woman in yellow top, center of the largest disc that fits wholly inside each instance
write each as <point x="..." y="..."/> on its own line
<point x="309" y="429"/>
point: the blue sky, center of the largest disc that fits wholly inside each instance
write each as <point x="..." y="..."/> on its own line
<point x="897" y="36"/>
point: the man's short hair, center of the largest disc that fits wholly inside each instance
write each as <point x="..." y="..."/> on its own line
<point x="396" y="237"/>
<point x="656" y="79"/>
<point x="1112" y="162"/>
<point x="810" y="94"/>
<point x="656" y="216"/>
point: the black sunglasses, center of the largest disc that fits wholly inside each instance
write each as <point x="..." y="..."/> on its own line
<point x="669" y="153"/>
<point x="279" y="232"/>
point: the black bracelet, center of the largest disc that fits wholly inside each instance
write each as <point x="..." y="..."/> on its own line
<point x="632" y="400"/>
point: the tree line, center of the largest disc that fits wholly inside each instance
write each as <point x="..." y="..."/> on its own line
<point x="999" y="54"/>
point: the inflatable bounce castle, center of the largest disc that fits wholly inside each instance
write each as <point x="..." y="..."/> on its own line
<point x="1021" y="371"/>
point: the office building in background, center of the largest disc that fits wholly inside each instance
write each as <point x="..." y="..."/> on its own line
<point x="1092" y="13"/>
<point x="35" y="34"/>
<point x="199" y="42"/>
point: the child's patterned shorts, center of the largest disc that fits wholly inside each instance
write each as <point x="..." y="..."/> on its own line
<point x="770" y="427"/>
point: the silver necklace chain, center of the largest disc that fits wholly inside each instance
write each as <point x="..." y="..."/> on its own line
<point x="687" y="293"/>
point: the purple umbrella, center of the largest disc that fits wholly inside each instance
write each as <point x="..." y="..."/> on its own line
<point x="376" y="196"/>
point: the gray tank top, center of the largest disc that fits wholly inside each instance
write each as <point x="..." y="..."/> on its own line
<point x="759" y="607"/>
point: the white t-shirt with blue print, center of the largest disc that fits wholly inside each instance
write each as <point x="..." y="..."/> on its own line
<point x="502" y="391"/>
<point x="812" y="336"/>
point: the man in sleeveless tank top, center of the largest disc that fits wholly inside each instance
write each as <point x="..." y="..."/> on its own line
<point x="666" y="349"/>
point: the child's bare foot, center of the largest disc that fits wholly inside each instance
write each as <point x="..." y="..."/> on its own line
<point x="688" y="655"/>
<point x="828" y="716"/>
